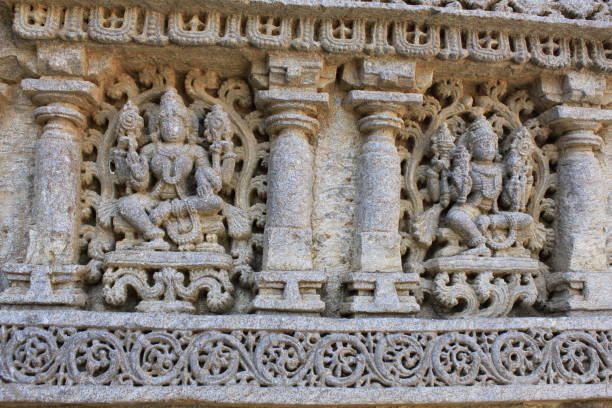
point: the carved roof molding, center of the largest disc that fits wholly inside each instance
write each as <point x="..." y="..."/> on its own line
<point x="517" y="35"/>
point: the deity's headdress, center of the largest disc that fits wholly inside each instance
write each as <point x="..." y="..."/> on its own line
<point x="172" y="105"/>
<point x="479" y="133"/>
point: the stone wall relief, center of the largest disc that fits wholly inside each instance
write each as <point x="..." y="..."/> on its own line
<point x="174" y="192"/>
<point x="478" y="206"/>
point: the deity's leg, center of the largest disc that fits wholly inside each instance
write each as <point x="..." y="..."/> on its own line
<point x="132" y="210"/>
<point x="204" y="205"/>
<point x="462" y="223"/>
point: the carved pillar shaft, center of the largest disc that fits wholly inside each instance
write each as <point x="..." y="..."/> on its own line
<point x="579" y="259"/>
<point x="581" y="203"/>
<point x="379" y="286"/>
<point x="290" y="180"/>
<point x="57" y="185"/>
<point x="288" y="283"/>
<point x="50" y="275"/>
<point x="378" y="208"/>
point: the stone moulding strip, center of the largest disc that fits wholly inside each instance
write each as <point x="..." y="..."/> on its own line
<point x="230" y="396"/>
<point x="454" y="37"/>
<point x="102" y="357"/>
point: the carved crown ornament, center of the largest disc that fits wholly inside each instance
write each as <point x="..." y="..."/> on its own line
<point x="377" y="32"/>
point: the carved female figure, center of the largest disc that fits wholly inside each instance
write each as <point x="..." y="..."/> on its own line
<point x="167" y="164"/>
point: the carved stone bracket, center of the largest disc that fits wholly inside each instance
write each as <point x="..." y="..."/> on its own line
<point x="53" y="247"/>
<point x="580" y="262"/>
<point x="484" y="287"/>
<point x="207" y="272"/>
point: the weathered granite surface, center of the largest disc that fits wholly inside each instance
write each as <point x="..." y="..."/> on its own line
<point x="306" y="203"/>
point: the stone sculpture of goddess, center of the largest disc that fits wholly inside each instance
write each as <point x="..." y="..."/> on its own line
<point x="171" y="183"/>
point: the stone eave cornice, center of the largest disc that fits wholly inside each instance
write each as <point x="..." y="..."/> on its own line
<point x="550" y="42"/>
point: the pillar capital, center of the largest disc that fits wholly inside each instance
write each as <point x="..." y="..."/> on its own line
<point x="292" y="110"/>
<point x="577" y="126"/>
<point x="381" y="110"/>
<point x="48" y="91"/>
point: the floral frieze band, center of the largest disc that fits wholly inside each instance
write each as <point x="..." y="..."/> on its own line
<point x="65" y="354"/>
<point x="376" y="36"/>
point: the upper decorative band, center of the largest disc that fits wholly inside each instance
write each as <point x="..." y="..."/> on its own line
<point x="376" y="35"/>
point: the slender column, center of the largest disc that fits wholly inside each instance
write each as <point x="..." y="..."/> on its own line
<point x="50" y="275"/>
<point x="379" y="286"/>
<point x="287" y="282"/>
<point x="581" y="280"/>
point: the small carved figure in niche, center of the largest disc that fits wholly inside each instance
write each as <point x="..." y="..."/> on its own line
<point x="160" y="176"/>
<point x="478" y="178"/>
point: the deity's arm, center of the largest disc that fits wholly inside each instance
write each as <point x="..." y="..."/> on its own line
<point x="139" y="168"/>
<point x="206" y="177"/>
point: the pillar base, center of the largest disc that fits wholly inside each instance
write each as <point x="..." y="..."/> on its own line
<point x="280" y="241"/>
<point x="378" y="252"/>
<point x="43" y="285"/>
<point x="575" y="293"/>
<point x="289" y="292"/>
<point x="379" y="293"/>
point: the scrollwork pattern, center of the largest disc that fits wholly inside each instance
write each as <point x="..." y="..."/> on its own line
<point x="97" y="356"/>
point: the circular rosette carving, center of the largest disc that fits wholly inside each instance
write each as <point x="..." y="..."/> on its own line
<point x="214" y="358"/>
<point x="156" y="358"/>
<point x="401" y="359"/>
<point x="281" y="359"/>
<point x="340" y="360"/>
<point x="518" y="358"/>
<point x="576" y="357"/>
<point x="456" y="359"/>
<point x="94" y="357"/>
<point x="30" y="356"/>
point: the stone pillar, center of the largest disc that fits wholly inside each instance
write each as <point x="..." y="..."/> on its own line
<point x="378" y="285"/>
<point x="51" y="276"/>
<point x="288" y="282"/>
<point x="581" y="280"/>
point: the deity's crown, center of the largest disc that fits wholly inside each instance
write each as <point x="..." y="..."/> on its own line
<point x="480" y="132"/>
<point x="172" y="104"/>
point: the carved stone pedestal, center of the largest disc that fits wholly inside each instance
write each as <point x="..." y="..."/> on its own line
<point x="289" y="291"/>
<point x="468" y="286"/>
<point x="43" y="285"/>
<point x="380" y="293"/>
<point x="169" y="293"/>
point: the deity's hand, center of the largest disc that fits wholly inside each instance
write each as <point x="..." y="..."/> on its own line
<point x="203" y="190"/>
<point x="136" y="164"/>
<point x="216" y="146"/>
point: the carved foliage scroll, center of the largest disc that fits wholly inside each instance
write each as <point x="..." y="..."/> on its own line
<point x="68" y="356"/>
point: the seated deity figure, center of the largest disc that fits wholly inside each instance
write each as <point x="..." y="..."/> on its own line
<point x="159" y="180"/>
<point x="475" y="211"/>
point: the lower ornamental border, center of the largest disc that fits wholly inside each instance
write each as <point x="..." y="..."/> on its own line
<point x="90" y="357"/>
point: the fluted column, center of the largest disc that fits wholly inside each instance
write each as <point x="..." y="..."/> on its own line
<point x="51" y="276"/>
<point x="581" y="279"/>
<point x="287" y="282"/>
